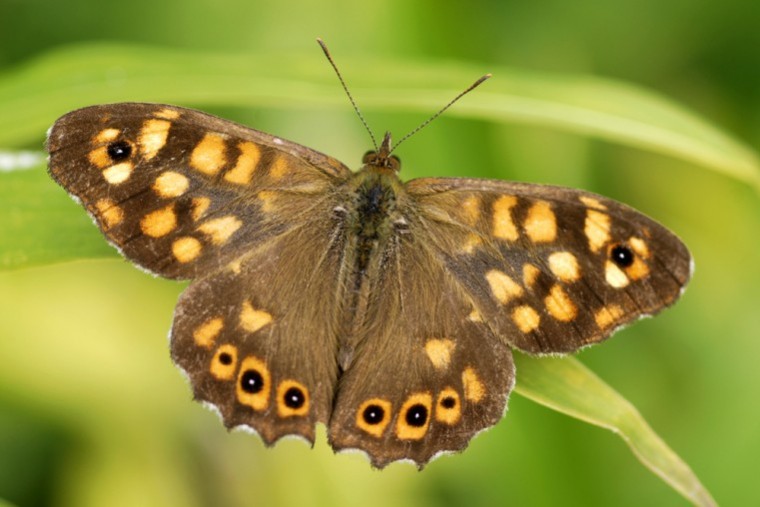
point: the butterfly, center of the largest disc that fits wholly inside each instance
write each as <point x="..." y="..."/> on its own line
<point x="385" y="310"/>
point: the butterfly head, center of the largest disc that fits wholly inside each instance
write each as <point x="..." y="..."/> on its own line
<point x="381" y="159"/>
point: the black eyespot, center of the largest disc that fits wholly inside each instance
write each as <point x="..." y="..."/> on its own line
<point x="416" y="415"/>
<point x="294" y="398"/>
<point x="252" y="382"/>
<point x="119" y="150"/>
<point x="449" y="402"/>
<point x="225" y="358"/>
<point x="373" y="414"/>
<point x="621" y="255"/>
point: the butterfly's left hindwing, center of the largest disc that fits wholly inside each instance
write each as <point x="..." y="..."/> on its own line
<point x="180" y="192"/>
<point x="428" y="372"/>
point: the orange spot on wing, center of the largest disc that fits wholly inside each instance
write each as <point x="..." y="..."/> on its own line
<point x="118" y="173"/>
<point x="205" y="334"/>
<point x="279" y="167"/>
<point x="160" y="222"/>
<point x="99" y="157"/>
<point x="503" y="225"/>
<point x="526" y="318"/>
<point x="220" y="229"/>
<point x="471" y="210"/>
<point x="530" y="274"/>
<point x="245" y="165"/>
<point x="106" y="136"/>
<point x="171" y="184"/>
<point x="109" y="212"/>
<point x="209" y="155"/>
<point x="200" y="206"/>
<point x="439" y="352"/>
<point x="252" y="319"/>
<point x="597" y="229"/>
<point x="153" y="137"/>
<point x="167" y="113"/>
<point x="540" y="223"/>
<point x="559" y="304"/>
<point x="502" y="286"/>
<point x="186" y="249"/>
<point x="608" y="315"/>
<point x="474" y="390"/>
<point x="564" y="266"/>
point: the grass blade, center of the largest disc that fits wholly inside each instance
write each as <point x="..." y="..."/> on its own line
<point x="32" y="96"/>
<point x="567" y="386"/>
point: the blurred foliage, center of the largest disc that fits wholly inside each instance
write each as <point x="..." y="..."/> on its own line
<point x="137" y="439"/>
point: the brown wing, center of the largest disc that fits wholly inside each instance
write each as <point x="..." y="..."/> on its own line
<point x="187" y="195"/>
<point x="550" y="269"/>
<point x="257" y="338"/>
<point x="180" y="192"/>
<point x="427" y="373"/>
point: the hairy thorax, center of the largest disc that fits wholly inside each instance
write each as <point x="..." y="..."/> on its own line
<point x="371" y="224"/>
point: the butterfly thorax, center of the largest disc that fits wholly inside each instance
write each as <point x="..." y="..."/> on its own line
<point x="371" y="222"/>
<point x="371" y="214"/>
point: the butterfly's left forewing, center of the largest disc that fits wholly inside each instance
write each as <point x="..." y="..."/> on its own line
<point x="551" y="269"/>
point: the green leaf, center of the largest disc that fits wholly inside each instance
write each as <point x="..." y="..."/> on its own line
<point x="565" y="385"/>
<point x="32" y="96"/>
<point x="40" y="224"/>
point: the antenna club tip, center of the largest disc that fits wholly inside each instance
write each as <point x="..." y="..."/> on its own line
<point x="481" y="80"/>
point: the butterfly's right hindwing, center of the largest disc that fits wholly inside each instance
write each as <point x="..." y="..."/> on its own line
<point x="258" y="340"/>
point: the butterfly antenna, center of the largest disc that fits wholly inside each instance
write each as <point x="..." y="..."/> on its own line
<point x="345" y="88"/>
<point x="444" y="108"/>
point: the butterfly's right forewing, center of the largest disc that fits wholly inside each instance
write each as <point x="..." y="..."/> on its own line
<point x="180" y="192"/>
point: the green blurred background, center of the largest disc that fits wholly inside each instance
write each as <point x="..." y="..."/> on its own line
<point x="92" y="412"/>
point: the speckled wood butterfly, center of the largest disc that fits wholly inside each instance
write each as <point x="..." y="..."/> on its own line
<point x="385" y="310"/>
